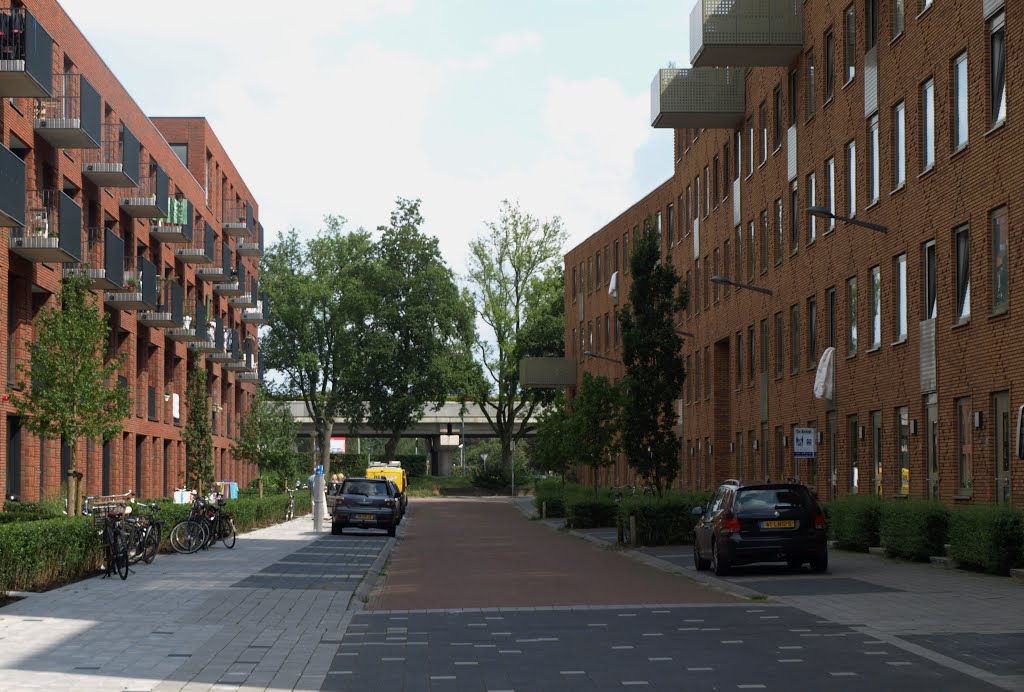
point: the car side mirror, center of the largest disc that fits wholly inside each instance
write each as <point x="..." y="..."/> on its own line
<point x="697" y="511"/>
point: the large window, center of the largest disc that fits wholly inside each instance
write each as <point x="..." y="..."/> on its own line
<point x="778" y="232"/>
<point x="928" y="272"/>
<point x="849" y="44"/>
<point x="780" y="334"/>
<point x="962" y="248"/>
<point x="873" y="165"/>
<point x="851" y="178"/>
<point x="1000" y="262"/>
<point x="900" y="296"/>
<point x="959" y="108"/>
<point x="829" y="66"/>
<point x="876" y="307"/>
<point x="812" y="200"/>
<point x="903" y="448"/>
<point x="810" y="84"/>
<point x="794" y="214"/>
<point x="851" y="316"/>
<point x="812" y="332"/>
<point x="794" y="339"/>
<point x="897" y="17"/>
<point x="997" y="69"/>
<point x="964" y="439"/>
<point x="830" y="191"/>
<point x="928" y="124"/>
<point x="899" y="145"/>
<point x="764" y="241"/>
<point x="777" y="122"/>
<point x="750" y="251"/>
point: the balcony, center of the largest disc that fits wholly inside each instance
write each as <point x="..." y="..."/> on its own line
<point x="169" y="312"/>
<point x="176" y="227"/>
<point x="71" y="118"/>
<point x="237" y="219"/>
<point x="12" y="189"/>
<point x="238" y="361"/>
<point x="116" y="162"/>
<point x="26" y="55"/>
<point x="746" y="33"/>
<point x="53" y="228"/>
<point x="250" y="249"/>
<point x="220" y="269"/>
<point x="706" y="97"/>
<point x="235" y="285"/>
<point x="250" y="375"/>
<point x="148" y="199"/>
<point x="139" y="289"/>
<point x="255" y="315"/>
<point x="202" y="247"/>
<point x="104" y="260"/>
<point x="226" y="340"/>
<point x="207" y="329"/>
<point x="245" y="300"/>
<point x="189" y="330"/>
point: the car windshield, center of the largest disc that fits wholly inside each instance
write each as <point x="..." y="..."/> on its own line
<point x="758" y="499"/>
<point x="362" y="488"/>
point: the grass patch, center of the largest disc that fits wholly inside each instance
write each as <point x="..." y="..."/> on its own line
<point x="759" y="597"/>
<point x="431" y="486"/>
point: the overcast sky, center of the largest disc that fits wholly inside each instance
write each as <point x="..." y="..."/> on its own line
<point x="340" y="106"/>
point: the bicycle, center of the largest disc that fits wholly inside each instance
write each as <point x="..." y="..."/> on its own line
<point x="108" y="512"/>
<point x="289" y="513"/>
<point x="144" y="534"/>
<point x="192" y="534"/>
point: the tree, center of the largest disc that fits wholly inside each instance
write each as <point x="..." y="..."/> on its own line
<point x="596" y="410"/>
<point x="651" y="352"/>
<point x="553" y="445"/>
<point x="318" y="324"/>
<point x="511" y="274"/>
<point x="73" y="392"/>
<point x="420" y="336"/>
<point x="198" y="431"/>
<point x="266" y="438"/>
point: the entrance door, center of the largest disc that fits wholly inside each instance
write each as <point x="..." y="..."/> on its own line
<point x="931" y="432"/>
<point x="13" y="488"/>
<point x="1001" y="412"/>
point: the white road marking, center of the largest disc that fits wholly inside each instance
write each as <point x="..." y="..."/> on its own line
<point x="659" y="658"/>
<point x="791" y="660"/>
<point x="622" y="647"/>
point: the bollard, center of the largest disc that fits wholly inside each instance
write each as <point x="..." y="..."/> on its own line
<point x="632" y="529"/>
<point x="543" y="510"/>
<point x="319" y="502"/>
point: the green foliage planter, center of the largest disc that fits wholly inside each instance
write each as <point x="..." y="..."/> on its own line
<point x="914" y="529"/>
<point x="590" y="511"/>
<point x="36" y="555"/>
<point x="668" y="520"/>
<point x="554" y="493"/>
<point x="987" y="538"/>
<point x="854" y="521"/>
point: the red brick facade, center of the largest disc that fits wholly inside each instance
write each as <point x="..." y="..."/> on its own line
<point x="740" y="405"/>
<point x="151" y="441"/>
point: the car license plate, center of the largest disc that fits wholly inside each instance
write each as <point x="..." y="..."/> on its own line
<point x="364" y="516"/>
<point x="779" y="524"/>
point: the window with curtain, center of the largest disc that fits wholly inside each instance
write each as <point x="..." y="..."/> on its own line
<point x="850" y="43"/>
<point x="928" y="124"/>
<point x="997" y="69"/>
<point x="851" y="316"/>
<point x="876" y="307"/>
<point x="930" y="298"/>
<point x="1000" y="262"/>
<point x="900" y="296"/>
<point x="810" y="84"/>
<point x="963" y="275"/>
<point x="960" y="101"/>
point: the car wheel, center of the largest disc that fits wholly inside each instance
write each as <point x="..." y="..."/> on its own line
<point x="719" y="563"/>
<point x="391" y="531"/>
<point x="698" y="562"/>
<point x="820" y="562"/>
<point x="336" y="529"/>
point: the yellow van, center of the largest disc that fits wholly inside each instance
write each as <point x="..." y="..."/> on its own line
<point x="394" y="472"/>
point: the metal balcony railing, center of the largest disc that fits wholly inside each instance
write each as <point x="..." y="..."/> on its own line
<point x="176" y="227"/>
<point x="219" y="269"/>
<point x="745" y="33"/>
<point x="53" y="228"/>
<point x="169" y="311"/>
<point x="707" y="97"/>
<point x="202" y="248"/>
<point x="71" y="117"/>
<point x="26" y="55"/>
<point x="103" y="260"/>
<point x="148" y="199"/>
<point x="237" y="218"/>
<point x="116" y="162"/>
<point x="138" y="290"/>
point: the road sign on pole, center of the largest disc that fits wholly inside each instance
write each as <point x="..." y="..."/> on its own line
<point x="805" y="443"/>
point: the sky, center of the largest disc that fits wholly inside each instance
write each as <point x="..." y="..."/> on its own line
<point x="342" y="106"/>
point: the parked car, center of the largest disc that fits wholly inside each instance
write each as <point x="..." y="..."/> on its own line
<point x="760" y="522"/>
<point x="366" y="503"/>
<point x="394" y="472"/>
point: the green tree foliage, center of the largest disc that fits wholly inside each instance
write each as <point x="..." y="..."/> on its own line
<point x="198" y="431"/>
<point x="418" y="347"/>
<point x="266" y="438"/>
<point x="553" y="449"/>
<point x="651" y="352"/>
<point x="73" y="391"/>
<point x="315" y="340"/>
<point x="511" y="268"/>
<point x="596" y="410"/>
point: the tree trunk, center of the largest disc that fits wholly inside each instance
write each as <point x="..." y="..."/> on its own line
<point x="260" y="485"/>
<point x="74" y="482"/>
<point x="391" y="446"/>
<point x="324" y="432"/>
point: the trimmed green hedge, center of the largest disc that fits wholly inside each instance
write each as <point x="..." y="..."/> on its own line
<point x="854" y="521"/>
<point x="988" y="538"/>
<point x="668" y="520"/>
<point x="554" y="493"/>
<point x="590" y="511"/>
<point x="40" y="554"/>
<point x="914" y="529"/>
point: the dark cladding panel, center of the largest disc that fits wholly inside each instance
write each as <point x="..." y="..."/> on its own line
<point x="162" y="183"/>
<point x="91" y="111"/>
<point x="148" y="270"/>
<point x="177" y="303"/>
<point x="39" y="53"/>
<point x="130" y="154"/>
<point x="70" y="226"/>
<point x="12" y="188"/>
<point x="113" y="257"/>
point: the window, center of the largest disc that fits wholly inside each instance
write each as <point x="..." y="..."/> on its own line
<point x="750" y="147"/>
<point x="925" y="4"/>
<point x="707" y="372"/>
<point x="851" y="316"/>
<point x="964" y="438"/>
<point x="850" y="44"/>
<point x="696" y="282"/>
<point x="689" y="379"/>
<point x="750" y="251"/>
<point x="590" y="336"/>
<point x="707" y="282"/>
<point x="739" y="359"/>
<point x="696" y="376"/>
<point x="871" y="23"/>
<point x="897" y="17"/>
<point x="851" y="179"/>
<point x="688" y="213"/>
<point x="903" y="448"/>
<point x="598" y="274"/>
<point x="794" y="339"/>
<point x="726" y="180"/>
<point x="615" y="330"/>
<point x="959" y="108"/>
<point x="1000" y="262"/>
<point x="696" y="201"/>
<point x="590" y="274"/>
<point x="726" y="259"/>
<point x="928" y="262"/>
<point x="876" y="450"/>
<point x="181" y="151"/>
<point x="764" y="241"/>
<point x="812" y="332"/>
<point x="873" y="160"/>
<point x="671" y="228"/>
<point x="810" y="84"/>
<point x="830" y="307"/>
<point x="597" y="335"/>
<point x="900" y="295"/>
<point x="812" y="200"/>
<point x="583" y="337"/>
<point x="574" y="280"/>
<point x="714" y="270"/>
<point x="658" y="232"/>
<point x="737" y="273"/>
<point x="928" y="125"/>
<point x="830" y="191"/>
<point x="899" y="146"/>
<point x="764" y="345"/>
<point x="997" y="70"/>
<point x="751" y="350"/>
<point x="615" y="256"/>
<point x="778" y="232"/>
<point x="625" y="253"/>
<point x="794" y="214"/>
<point x="575" y="356"/>
<point x="764" y="132"/>
<point x="876" y="307"/>
<point x="792" y="97"/>
<point x="12" y="334"/>
<point x="829" y="65"/>
<point x="963" y="275"/>
<point x="777" y="122"/>
<point x="689" y="294"/>
<point x="780" y="334"/>
<point x="707" y="192"/>
<point x="607" y="262"/>
<point x="853" y="448"/>
<point x="739" y="152"/>
<point x="607" y="332"/>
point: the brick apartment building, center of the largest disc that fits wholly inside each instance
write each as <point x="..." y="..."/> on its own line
<point x="901" y="114"/>
<point x="155" y="213"/>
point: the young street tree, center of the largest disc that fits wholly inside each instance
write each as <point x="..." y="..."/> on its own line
<point x="321" y="299"/>
<point x="512" y="276"/>
<point x="418" y="347"/>
<point x="596" y="413"/>
<point x="198" y="431"/>
<point x="651" y="352"/>
<point x="553" y="447"/>
<point x="266" y="438"/>
<point x="73" y="393"/>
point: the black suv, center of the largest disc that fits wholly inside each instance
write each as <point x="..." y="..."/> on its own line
<point x="760" y="522"/>
<point x="366" y="503"/>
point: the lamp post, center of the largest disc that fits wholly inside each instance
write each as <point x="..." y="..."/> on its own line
<point x="720" y="279"/>
<point x="826" y="213"/>
<point x="591" y="354"/>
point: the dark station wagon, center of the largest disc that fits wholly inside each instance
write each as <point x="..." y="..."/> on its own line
<point x="366" y="503"/>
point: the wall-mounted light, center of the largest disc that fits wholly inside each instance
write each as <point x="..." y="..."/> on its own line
<point x="821" y="437"/>
<point x="785" y="441"/>
<point x="979" y="419"/>
<point x="711" y="450"/>
<point x="913" y="426"/>
<point x="732" y="446"/>
<point x="755" y="445"/>
<point x="860" y="432"/>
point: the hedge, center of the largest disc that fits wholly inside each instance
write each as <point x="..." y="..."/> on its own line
<point x="854" y="521"/>
<point x="39" y="554"/>
<point x="665" y="520"/>
<point x="586" y="510"/>
<point x="914" y="529"/>
<point x="988" y="538"/>
<point x="354" y="465"/>
<point x="553" y="492"/>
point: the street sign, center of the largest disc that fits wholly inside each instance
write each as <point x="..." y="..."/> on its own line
<point x="319" y="470"/>
<point x="805" y="443"/>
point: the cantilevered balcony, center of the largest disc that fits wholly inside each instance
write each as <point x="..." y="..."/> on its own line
<point x="138" y="292"/>
<point x="53" y="228"/>
<point x="226" y="340"/>
<point x="71" y="118"/>
<point x="235" y="285"/>
<point x="147" y="200"/>
<point x="12" y="189"/>
<point x="26" y="55"/>
<point x="104" y="260"/>
<point x="201" y="249"/>
<point x="116" y="162"/>
<point x="169" y="311"/>
<point x="746" y="33"/>
<point x="189" y="330"/>
<point x="251" y="373"/>
<point x="220" y="268"/>
<point x="237" y="218"/>
<point x="707" y="97"/>
<point x="256" y="315"/>
<point x="207" y="328"/>
<point x="237" y="361"/>
<point x="249" y="249"/>
<point x="247" y="299"/>
<point x="176" y="227"/>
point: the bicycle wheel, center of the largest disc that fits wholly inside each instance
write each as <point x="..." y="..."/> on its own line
<point x="121" y="554"/>
<point x="188" y="536"/>
<point x="227" y="532"/>
<point x="136" y="542"/>
<point x="152" y="543"/>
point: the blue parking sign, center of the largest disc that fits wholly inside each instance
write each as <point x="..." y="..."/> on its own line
<point x="319" y="469"/>
<point x="805" y="443"/>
